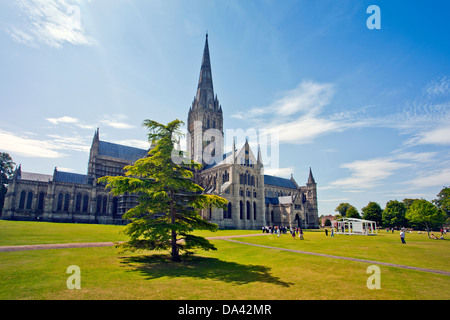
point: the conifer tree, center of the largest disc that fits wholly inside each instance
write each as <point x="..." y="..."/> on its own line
<point x="169" y="199"/>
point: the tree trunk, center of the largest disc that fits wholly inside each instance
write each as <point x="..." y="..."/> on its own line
<point x="428" y="230"/>
<point x="175" y="251"/>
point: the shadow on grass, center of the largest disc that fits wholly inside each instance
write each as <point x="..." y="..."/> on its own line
<point x="157" y="266"/>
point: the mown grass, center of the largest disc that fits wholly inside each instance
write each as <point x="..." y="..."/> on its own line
<point x="234" y="271"/>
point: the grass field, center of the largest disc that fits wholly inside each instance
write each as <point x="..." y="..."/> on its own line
<point x="234" y="271"/>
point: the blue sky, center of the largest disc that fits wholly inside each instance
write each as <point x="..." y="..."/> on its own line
<point x="367" y="110"/>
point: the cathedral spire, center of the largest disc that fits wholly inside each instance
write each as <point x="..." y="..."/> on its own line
<point x="311" y="178"/>
<point x="205" y="90"/>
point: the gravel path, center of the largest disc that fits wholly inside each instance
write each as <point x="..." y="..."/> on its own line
<point x="226" y="238"/>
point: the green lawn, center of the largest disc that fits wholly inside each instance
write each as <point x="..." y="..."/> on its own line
<point x="234" y="271"/>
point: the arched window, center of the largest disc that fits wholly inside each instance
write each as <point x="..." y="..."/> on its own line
<point x="85" y="203"/>
<point x="23" y="195"/>
<point x="271" y="216"/>
<point x="59" y="204"/>
<point x="99" y="204"/>
<point x="115" y="207"/>
<point x="254" y="210"/>
<point x="41" y="199"/>
<point x="78" y="202"/>
<point x="105" y="204"/>
<point x="66" y="202"/>
<point x="230" y="210"/>
<point x="241" y="210"/>
<point x="29" y="200"/>
<point x="248" y="210"/>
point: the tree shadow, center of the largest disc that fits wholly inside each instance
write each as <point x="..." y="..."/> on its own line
<point x="159" y="265"/>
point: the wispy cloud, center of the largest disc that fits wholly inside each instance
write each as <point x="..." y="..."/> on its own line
<point x="308" y="98"/>
<point x="70" y="121"/>
<point x="50" y="22"/>
<point x="116" y="121"/>
<point x="435" y="178"/>
<point x="40" y="148"/>
<point x="297" y="115"/>
<point x="437" y="88"/>
<point x="371" y="173"/>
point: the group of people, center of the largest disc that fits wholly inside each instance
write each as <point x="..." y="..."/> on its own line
<point x="284" y="230"/>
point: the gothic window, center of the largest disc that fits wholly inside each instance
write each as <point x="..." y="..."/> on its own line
<point x="248" y="210"/>
<point x="229" y="210"/>
<point x="29" y="200"/>
<point x="254" y="210"/>
<point x="271" y="216"/>
<point x="99" y="204"/>
<point x="105" y="202"/>
<point x="115" y="207"/>
<point x="78" y="202"/>
<point x="59" y="205"/>
<point x="214" y="124"/>
<point x="207" y="124"/>
<point x="241" y="210"/>
<point x="85" y="203"/>
<point x="23" y="195"/>
<point x="66" y="202"/>
<point x="41" y="198"/>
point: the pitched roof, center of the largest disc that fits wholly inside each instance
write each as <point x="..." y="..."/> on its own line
<point x="279" y="182"/>
<point x="70" y="177"/>
<point x="35" y="176"/>
<point x="119" y="151"/>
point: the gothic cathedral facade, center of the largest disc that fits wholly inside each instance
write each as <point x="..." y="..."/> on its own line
<point x="254" y="199"/>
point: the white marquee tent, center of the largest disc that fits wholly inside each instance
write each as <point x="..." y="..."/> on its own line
<point x="353" y="226"/>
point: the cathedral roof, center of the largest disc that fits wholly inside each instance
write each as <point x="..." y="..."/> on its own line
<point x="69" y="177"/>
<point x="35" y="176"/>
<point x="279" y="182"/>
<point x="119" y="151"/>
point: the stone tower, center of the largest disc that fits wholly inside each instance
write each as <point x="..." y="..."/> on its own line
<point x="205" y="118"/>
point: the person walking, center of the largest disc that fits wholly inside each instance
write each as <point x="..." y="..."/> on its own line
<point x="402" y="236"/>
<point x="278" y="232"/>
<point x="300" y="234"/>
<point x="326" y="232"/>
<point x="332" y="232"/>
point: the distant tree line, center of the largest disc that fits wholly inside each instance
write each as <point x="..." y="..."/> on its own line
<point x="409" y="213"/>
<point x="6" y="172"/>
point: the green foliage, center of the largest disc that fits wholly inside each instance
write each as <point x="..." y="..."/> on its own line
<point x="443" y="201"/>
<point x="343" y="208"/>
<point x="424" y="213"/>
<point x="169" y="199"/>
<point x="352" y="213"/>
<point x="6" y="171"/>
<point x="394" y="214"/>
<point x="373" y="212"/>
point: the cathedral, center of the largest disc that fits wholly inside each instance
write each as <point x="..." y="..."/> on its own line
<point x="254" y="199"/>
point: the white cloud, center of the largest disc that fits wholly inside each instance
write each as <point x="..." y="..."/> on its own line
<point x="41" y="148"/>
<point x="116" y="121"/>
<point x="438" y="136"/>
<point x="28" y="147"/>
<point x="438" y="88"/>
<point x="64" y="119"/>
<point x="51" y="22"/>
<point x="437" y="178"/>
<point x="367" y="174"/>
<point x="280" y="172"/>
<point x="309" y="97"/>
